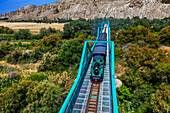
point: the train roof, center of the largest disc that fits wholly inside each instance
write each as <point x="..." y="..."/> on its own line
<point x="99" y="50"/>
<point x="101" y="44"/>
<point x="103" y="37"/>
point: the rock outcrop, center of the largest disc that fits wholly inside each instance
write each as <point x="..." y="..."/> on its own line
<point x="93" y="9"/>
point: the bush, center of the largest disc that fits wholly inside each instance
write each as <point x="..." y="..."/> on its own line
<point x="152" y="40"/>
<point x="45" y="97"/>
<point x="36" y="77"/>
<point x="22" y="34"/>
<point x="80" y="25"/>
<point x="13" y="99"/>
<point x="49" y="31"/>
<point x="52" y="40"/>
<point x="164" y="35"/>
<point x="133" y="34"/>
<point x="6" y="30"/>
<point x="5" y="49"/>
<point x="36" y="53"/>
<point x="70" y="53"/>
<point x="124" y="93"/>
<point x="18" y="56"/>
<point x="160" y="99"/>
<point x="49" y="62"/>
<point x="9" y="80"/>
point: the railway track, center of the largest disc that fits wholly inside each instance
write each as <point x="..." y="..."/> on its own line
<point x="93" y="98"/>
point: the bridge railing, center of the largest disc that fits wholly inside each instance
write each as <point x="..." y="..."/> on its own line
<point x="72" y="95"/>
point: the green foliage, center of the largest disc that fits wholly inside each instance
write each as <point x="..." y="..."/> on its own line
<point x="144" y="61"/>
<point x="31" y="96"/>
<point x="161" y="99"/>
<point x="36" y="53"/>
<point x="70" y="53"/>
<point x="49" y="62"/>
<point x="49" y="31"/>
<point x="19" y="44"/>
<point x="126" y="107"/>
<point x="132" y="34"/>
<point x="9" y="80"/>
<point x="80" y="25"/>
<point x="164" y="35"/>
<point x="44" y="97"/>
<point x="152" y="40"/>
<point x="52" y="40"/>
<point x="124" y="93"/>
<point x="21" y="56"/>
<point x="6" y="30"/>
<point x="5" y="49"/>
<point x="36" y="77"/>
<point x="142" y="96"/>
<point x="118" y="52"/>
<point x="13" y="99"/>
<point x="146" y="69"/>
<point x="9" y="39"/>
<point x="15" y="56"/>
<point x="22" y="34"/>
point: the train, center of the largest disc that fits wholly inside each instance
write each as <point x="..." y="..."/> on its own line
<point x="99" y="59"/>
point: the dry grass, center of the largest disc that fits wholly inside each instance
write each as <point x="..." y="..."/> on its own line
<point x="34" y="27"/>
<point x="25" y="68"/>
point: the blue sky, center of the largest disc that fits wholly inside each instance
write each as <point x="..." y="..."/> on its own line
<point x="12" y="5"/>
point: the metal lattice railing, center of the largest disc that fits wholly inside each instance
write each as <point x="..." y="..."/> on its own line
<point x="72" y="95"/>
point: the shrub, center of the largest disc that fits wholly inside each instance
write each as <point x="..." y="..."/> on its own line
<point x="80" y="25"/>
<point x="152" y="40"/>
<point x="124" y="93"/>
<point x="22" y="34"/>
<point x="160" y="99"/>
<point x="47" y="32"/>
<point x="36" y="53"/>
<point x="137" y="57"/>
<point x="36" y="77"/>
<point x="70" y="53"/>
<point x="18" y="56"/>
<point x="13" y="99"/>
<point x="52" y="40"/>
<point x="9" y="80"/>
<point x="5" y="49"/>
<point x="164" y="35"/>
<point x="15" y="56"/>
<point x="49" y="62"/>
<point x="45" y="97"/>
<point x="131" y="35"/>
<point x="6" y="30"/>
<point x="118" y="52"/>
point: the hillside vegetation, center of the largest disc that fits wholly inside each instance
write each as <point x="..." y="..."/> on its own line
<point x="38" y="70"/>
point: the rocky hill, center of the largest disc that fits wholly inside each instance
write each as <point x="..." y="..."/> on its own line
<point x="93" y="9"/>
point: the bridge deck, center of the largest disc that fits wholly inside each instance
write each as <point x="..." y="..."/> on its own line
<point x="104" y="103"/>
<point x="81" y="102"/>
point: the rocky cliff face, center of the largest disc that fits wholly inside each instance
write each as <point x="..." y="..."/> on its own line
<point x="93" y="9"/>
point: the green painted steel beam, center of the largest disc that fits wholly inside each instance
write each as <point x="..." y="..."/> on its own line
<point x="114" y="97"/>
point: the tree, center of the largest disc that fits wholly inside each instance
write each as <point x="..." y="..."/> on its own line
<point x="160" y="99"/>
<point x="164" y="35"/>
<point x="51" y="40"/>
<point x="80" y="25"/>
<point x="70" y="53"/>
<point x="5" y="49"/>
<point x="22" y="34"/>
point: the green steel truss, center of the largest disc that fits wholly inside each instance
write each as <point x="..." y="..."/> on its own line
<point x="84" y="63"/>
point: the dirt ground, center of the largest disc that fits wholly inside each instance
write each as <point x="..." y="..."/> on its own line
<point x="34" y="27"/>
